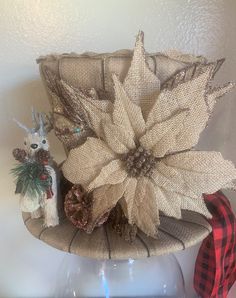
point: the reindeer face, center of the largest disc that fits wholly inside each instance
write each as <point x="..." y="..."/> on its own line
<point x="34" y="141"/>
<point x="36" y="136"/>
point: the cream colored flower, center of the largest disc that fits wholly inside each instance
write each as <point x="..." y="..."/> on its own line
<point x="141" y="155"/>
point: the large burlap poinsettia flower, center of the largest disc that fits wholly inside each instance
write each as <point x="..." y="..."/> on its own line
<point x="141" y="155"/>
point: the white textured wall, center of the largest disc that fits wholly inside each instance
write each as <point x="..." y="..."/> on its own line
<point x="29" y="28"/>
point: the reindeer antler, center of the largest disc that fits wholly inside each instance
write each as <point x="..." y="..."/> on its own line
<point x="35" y="118"/>
<point x="41" y="123"/>
<point x="21" y="125"/>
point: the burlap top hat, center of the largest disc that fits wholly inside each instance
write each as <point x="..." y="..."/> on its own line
<point x="129" y="121"/>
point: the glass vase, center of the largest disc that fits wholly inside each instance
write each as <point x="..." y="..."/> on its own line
<point x="151" y="277"/>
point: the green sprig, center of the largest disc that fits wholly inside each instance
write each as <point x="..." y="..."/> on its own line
<point x="28" y="179"/>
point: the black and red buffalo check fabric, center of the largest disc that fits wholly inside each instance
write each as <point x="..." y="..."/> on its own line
<point x="215" y="268"/>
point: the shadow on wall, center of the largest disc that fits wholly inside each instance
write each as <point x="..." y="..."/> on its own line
<point x="17" y="103"/>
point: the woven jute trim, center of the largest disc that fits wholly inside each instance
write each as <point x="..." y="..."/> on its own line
<point x="93" y="55"/>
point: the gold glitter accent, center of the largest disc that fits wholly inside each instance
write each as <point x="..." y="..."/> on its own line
<point x="191" y="72"/>
<point x="67" y="114"/>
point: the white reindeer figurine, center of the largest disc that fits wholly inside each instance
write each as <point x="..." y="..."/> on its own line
<point x="36" y="142"/>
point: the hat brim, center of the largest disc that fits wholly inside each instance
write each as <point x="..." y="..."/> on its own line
<point x="104" y="243"/>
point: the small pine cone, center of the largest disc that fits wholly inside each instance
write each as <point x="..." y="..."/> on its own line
<point x="19" y="154"/>
<point x="42" y="156"/>
<point x="65" y="186"/>
<point x="121" y="225"/>
<point x="78" y="207"/>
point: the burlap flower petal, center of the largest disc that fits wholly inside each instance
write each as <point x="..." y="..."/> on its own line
<point x="203" y="172"/>
<point x="85" y="162"/>
<point x="95" y="111"/>
<point x="126" y="114"/>
<point x="182" y="96"/>
<point x="230" y="185"/>
<point x="188" y="95"/>
<point x="169" y="202"/>
<point x="196" y="205"/>
<point x="216" y="93"/>
<point x="141" y="205"/>
<point x="141" y="84"/>
<point x="161" y="138"/>
<point x="117" y="138"/>
<point x="113" y="173"/>
<point x="170" y="179"/>
<point x="106" y="197"/>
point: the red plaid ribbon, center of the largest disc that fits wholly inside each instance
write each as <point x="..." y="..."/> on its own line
<point x="215" y="268"/>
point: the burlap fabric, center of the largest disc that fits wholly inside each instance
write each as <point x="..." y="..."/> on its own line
<point x="92" y="70"/>
<point x="180" y="77"/>
<point x="103" y="243"/>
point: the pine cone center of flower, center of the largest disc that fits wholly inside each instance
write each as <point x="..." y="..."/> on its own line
<point x="139" y="162"/>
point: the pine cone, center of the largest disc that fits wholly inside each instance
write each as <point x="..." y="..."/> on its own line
<point x="120" y="224"/>
<point x="65" y="186"/>
<point x="42" y="156"/>
<point x="19" y="154"/>
<point x="78" y="207"/>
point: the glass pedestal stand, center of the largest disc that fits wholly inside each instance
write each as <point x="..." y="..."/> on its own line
<point x="151" y="277"/>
